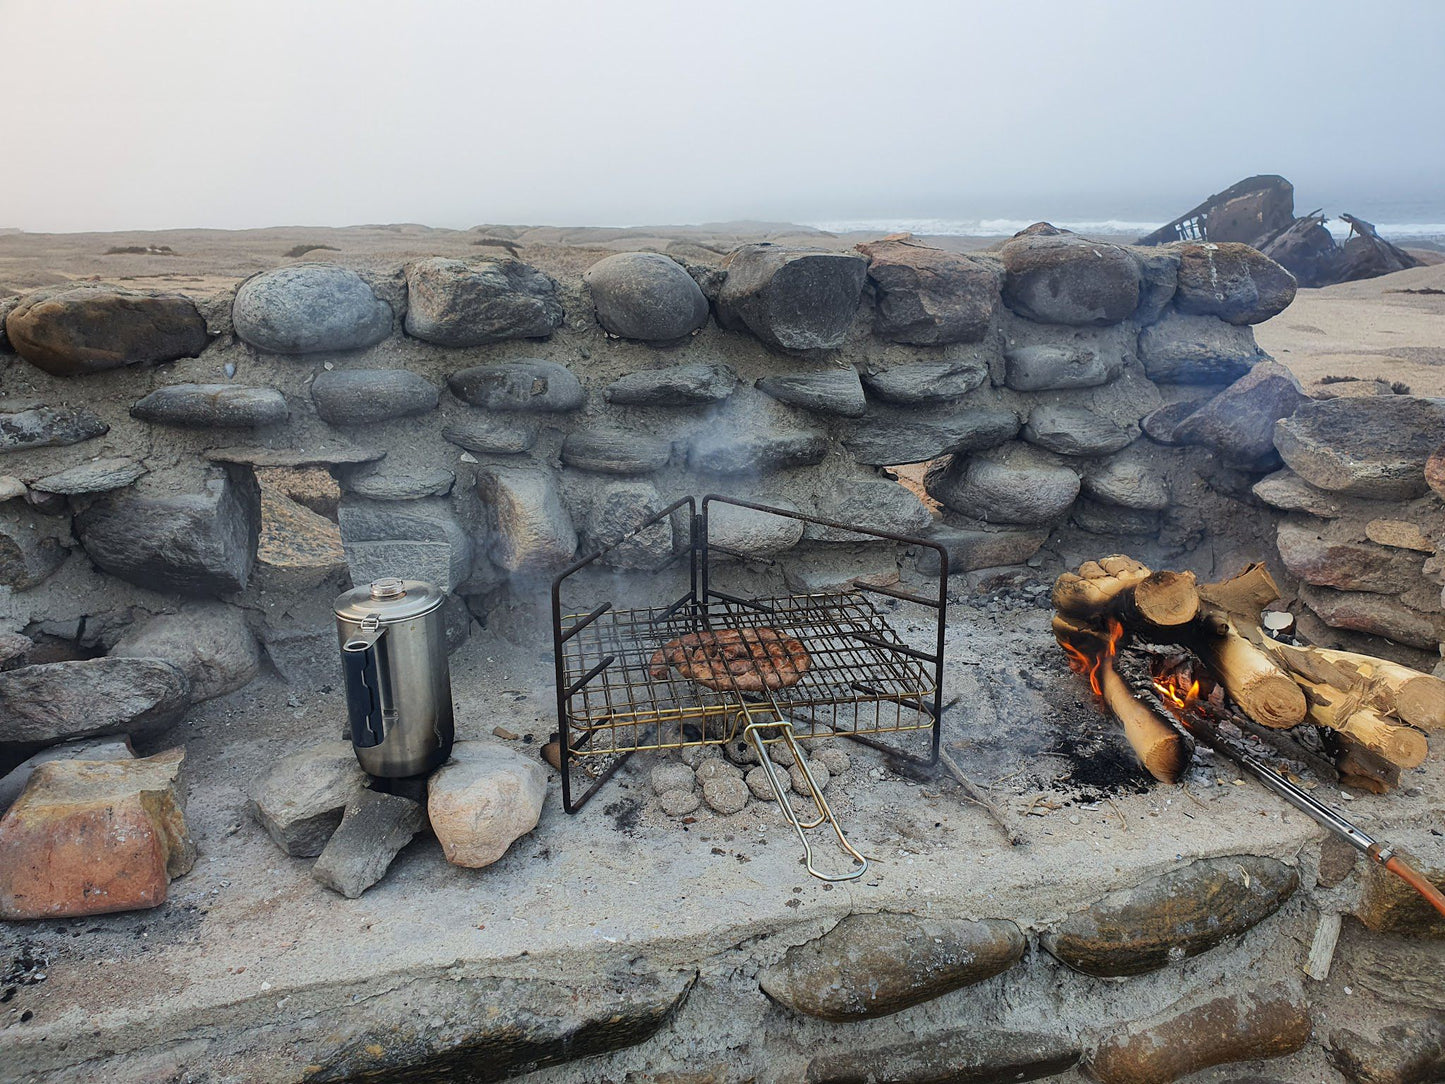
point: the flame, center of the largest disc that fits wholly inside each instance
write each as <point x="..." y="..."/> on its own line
<point x="1169" y="689"/>
<point x="1090" y="665"/>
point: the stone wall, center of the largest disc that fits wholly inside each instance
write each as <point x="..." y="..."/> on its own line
<point x="240" y="457"/>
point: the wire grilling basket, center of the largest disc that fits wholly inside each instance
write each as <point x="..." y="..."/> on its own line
<point x="861" y="681"/>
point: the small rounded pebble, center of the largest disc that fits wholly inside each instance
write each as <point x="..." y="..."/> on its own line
<point x="834" y="759"/>
<point x="800" y="784"/>
<point x="678" y="803"/>
<point x="725" y="793"/>
<point x="552" y="754"/>
<point x="717" y="768"/>
<point x="693" y="755"/>
<point x="757" y="781"/>
<point x="741" y="751"/>
<point x="779" y="753"/>
<point x="672" y="775"/>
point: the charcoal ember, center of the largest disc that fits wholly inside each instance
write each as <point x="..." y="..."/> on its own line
<point x="758" y="784"/>
<point x="717" y="768"/>
<point x="670" y="776"/>
<point x="835" y="760"/>
<point x="725" y="794"/>
<point x="679" y="803"/>
<point x="819" y="773"/>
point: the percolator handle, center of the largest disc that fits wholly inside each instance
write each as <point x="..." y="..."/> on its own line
<point x="363" y="687"/>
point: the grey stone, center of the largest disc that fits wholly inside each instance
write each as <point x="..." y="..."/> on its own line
<point x="1159" y="424"/>
<point x="716" y="767"/>
<point x="1049" y="367"/>
<point x="13" y="782"/>
<point x="609" y="450"/>
<point x="11" y="487"/>
<point x="364" y="396"/>
<point x="301" y="799"/>
<point x="1113" y="519"/>
<point x="410" y="530"/>
<point x="969" y="550"/>
<point x="973" y="1056"/>
<point x="830" y="391"/>
<point x="97" y="476"/>
<point x="927" y="381"/>
<point x="871" y="965"/>
<point x="1074" y="431"/>
<point x="750" y="532"/>
<point x="677" y="385"/>
<point x="522" y="384"/>
<point x="532" y="530"/>
<point x="875" y="503"/>
<point x="7" y="306"/>
<point x="1336" y="554"/>
<point x="455" y="303"/>
<point x="505" y="1027"/>
<point x="1376" y="615"/>
<point x="1286" y="490"/>
<point x="725" y="794"/>
<point x="1129" y="479"/>
<point x="484" y="799"/>
<point x="1409" y="1052"/>
<point x="73" y="330"/>
<point x="887" y="436"/>
<point x="1012" y="484"/>
<point x="928" y="297"/>
<point x="1408" y="971"/>
<point x="382" y="483"/>
<point x="668" y="776"/>
<point x="304" y="655"/>
<point x="791" y="298"/>
<point x="1188" y="349"/>
<point x="494" y="434"/>
<point x="373" y="830"/>
<point x="191" y="544"/>
<point x="53" y="702"/>
<point x="317" y="453"/>
<point x="207" y="641"/>
<point x="1239" y="421"/>
<point x="1159" y="278"/>
<point x="48" y="427"/>
<point x="1054" y="277"/>
<point x="31" y="547"/>
<point x="1232" y="281"/>
<point x="646" y="296"/>
<point x="309" y="308"/>
<point x="212" y="406"/>
<point x="743" y="449"/>
<point x="1374" y="448"/>
<point x="621" y="507"/>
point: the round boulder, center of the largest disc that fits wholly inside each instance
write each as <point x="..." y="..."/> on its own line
<point x="1235" y="282"/>
<point x="1055" y="277"/>
<point x="1013" y="484"/>
<point x="70" y="331"/>
<point x="308" y="309"/>
<point x="646" y="296"/>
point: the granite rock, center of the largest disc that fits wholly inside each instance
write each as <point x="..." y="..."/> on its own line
<point x="927" y="297"/>
<point x="791" y="298"/>
<point x="365" y="396"/>
<point x="1376" y="615"/>
<point x="1129" y="479"/>
<point x="871" y="965"/>
<point x="969" y="550"/>
<point x="48" y="703"/>
<point x="1336" y="554"/>
<point x="878" y="504"/>
<point x="645" y="296"/>
<point x="381" y="536"/>
<point x="829" y="391"/>
<point x="619" y="508"/>
<point x="748" y="449"/>
<point x="1232" y="281"/>
<point x="532" y="530"/>
<point x="482" y="800"/>
<point x="92" y="837"/>
<point x="300" y="800"/>
<point x="747" y="531"/>
<point x="212" y="406"/>
<point x="522" y="384"/>
<point x="309" y="308"/>
<point x="74" y="330"/>
<point x="190" y="543"/>
<point x="1056" y="277"/>
<point x="1187" y="349"/>
<point x="207" y="641"/>
<point x="457" y="303"/>
<point x="677" y="385"/>
<point x="1012" y="484"/>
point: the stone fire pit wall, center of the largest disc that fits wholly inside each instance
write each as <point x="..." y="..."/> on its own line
<point x="187" y="476"/>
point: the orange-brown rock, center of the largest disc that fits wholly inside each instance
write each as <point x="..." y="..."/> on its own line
<point x="1435" y="471"/>
<point x="1268" y="1023"/>
<point x="89" y="837"/>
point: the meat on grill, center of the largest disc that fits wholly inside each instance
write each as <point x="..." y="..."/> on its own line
<point x="749" y="660"/>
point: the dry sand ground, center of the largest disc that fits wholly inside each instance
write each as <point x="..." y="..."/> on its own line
<point x="1382" y="328"/>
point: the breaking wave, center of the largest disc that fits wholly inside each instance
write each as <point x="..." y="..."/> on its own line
<point x="1007" y="227"/>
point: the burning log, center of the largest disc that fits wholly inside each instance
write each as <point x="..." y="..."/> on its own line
<point x="1366" y="705"/>
<point x="1164" y="752"/>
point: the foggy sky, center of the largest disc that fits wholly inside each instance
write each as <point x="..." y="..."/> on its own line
<point x="151" y="114"/>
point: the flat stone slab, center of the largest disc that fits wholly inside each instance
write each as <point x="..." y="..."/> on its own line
<point x="52" y="702"/>
<point x="373" y="829"/>
<point x="927" y="381"/>
<point x="97" y="476"/>
<point x="677" y="385"/>
<point x="1180" y="914"/>
<point x="318" y="454"/>
<point x="1374" y="447"/>
<point x="524" y="384"/>
<point x="211" y="406"/>
<point x="831" y="391"/>
<point x="876" y="965"/>
<point x="970" y="1057"/>
<point x="48" y="427"/>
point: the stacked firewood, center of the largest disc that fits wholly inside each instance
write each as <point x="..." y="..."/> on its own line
<point x="1372" y="712"/>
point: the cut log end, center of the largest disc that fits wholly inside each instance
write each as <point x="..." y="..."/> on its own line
<point x="1272" y="700"/>
<point x="1167" y="599"/>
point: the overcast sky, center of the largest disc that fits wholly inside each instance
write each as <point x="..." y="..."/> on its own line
<point x="153" y="113"/>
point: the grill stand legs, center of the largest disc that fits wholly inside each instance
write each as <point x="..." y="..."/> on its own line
<point x="764" y="732"/>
